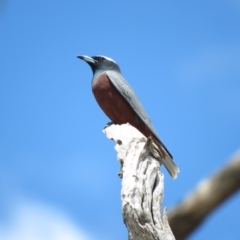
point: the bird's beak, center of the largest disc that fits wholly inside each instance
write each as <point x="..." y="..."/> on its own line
<point x="86" y="59"/>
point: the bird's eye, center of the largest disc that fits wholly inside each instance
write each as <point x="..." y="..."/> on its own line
<point x="101" y="58"/>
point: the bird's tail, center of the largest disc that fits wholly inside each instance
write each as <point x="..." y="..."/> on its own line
<point x="167" y="159"/>
<point x="170" y="166"/>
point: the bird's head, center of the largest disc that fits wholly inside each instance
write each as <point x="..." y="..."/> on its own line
<point x="100" y="64"/>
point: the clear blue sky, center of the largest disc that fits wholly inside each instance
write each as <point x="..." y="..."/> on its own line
<point x="58" y="172"/>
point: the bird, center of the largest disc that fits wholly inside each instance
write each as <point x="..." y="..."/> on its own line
<point x="120" y="103"/>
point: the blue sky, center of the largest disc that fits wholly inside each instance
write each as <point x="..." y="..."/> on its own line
<point x="56" y="167"/>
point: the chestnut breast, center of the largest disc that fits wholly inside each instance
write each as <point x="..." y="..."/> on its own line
<point x="111" y="101"/>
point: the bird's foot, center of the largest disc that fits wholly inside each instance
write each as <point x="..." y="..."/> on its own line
<point x="108" y="124"/>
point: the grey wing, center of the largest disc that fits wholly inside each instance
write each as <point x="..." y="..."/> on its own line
<point x="127" y="92"/>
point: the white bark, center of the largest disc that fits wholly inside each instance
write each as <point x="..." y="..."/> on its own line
<point x="142" y="184"/>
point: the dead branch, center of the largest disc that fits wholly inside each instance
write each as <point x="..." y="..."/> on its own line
<point x="209" y="194"/>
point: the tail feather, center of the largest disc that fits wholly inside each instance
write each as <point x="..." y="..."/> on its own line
<point x="167" y="159"/>
<point x="170" y="166"/>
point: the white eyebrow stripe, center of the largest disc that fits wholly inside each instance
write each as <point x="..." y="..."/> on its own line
<point x="109" y="59"/>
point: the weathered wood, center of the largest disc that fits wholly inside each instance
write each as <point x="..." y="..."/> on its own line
<point x="142" y="184"/>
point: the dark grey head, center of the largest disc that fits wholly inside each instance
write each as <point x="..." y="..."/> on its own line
<point x="100" y="64"/>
